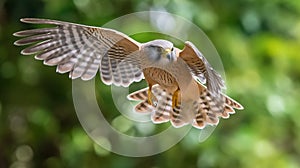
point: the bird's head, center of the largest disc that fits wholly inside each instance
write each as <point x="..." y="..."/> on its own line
<point x="160" y="51"/>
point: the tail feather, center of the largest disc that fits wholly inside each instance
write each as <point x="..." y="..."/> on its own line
<point x="163" y="107"/>
<point x="227" y="111"/>
<point x="139" y="95"/>
<point x="143" y="107"/>
<point x="232" y="103"/>
<point x="160" y="112"/>
<point x="206" y="110"/>
<point x="177" y="118"/>
<point x="211" y="108"/>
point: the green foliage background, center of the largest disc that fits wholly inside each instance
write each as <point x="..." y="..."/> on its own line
<point x="258" y="42"/>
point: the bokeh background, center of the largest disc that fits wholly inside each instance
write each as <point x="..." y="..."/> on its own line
<point x="259" y="44"/>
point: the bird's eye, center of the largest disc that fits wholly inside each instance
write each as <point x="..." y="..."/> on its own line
<point x="172" y="49"/>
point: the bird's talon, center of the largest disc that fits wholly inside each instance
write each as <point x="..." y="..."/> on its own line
<point x="175" y="99"/>
<point x="154" y="101"/>
<point x="149" y="97"/>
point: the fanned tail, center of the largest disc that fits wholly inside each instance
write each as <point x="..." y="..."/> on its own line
<point x="206" y="110"/>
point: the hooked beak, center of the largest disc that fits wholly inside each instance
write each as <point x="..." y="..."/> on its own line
<point x="167" y="53"/>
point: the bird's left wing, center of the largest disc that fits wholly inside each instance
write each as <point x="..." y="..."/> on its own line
<point x="83" y="50"/>
<point x="201" y="68"/>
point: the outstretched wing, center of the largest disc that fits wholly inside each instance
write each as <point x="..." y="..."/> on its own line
<point x="82" y="50"/>
<point x="200" y="68"/>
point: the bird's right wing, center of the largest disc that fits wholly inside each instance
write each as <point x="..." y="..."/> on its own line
<point x="83" y="50"/>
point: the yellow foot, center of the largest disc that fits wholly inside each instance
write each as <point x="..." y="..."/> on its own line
<point x="152" y="100"/>
<point x="175" y="99"/>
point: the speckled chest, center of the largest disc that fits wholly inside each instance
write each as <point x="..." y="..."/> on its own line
<point x="159" y="76"/>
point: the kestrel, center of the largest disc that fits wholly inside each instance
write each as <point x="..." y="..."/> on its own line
<point x="175" y="77"/>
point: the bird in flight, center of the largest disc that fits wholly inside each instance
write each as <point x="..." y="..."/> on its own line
<point x="175" y="77"/>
